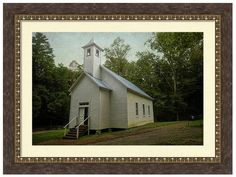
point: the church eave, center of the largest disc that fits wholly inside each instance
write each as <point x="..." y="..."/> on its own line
<point x="103" y="88"/>
<point x="101" y="85"/>
<point x="76" y="82"/>
<point x="98" y="82"/>
<point x="88" y="45"/>
<point x="141" y="95"/>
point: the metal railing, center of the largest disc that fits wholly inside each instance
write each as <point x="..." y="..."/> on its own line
<point x="77" y="127"/>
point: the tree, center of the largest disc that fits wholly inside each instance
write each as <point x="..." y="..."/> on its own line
<point x="175" y="66"/>
<point x="74" y="74"/>
<point x="50" y="86"/>
<point x="116" y="56"/>
<point x="43" y="58"/>
<point x="43" y="68"/>
<point x="145" y="71"/>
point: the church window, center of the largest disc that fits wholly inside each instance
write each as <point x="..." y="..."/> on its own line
<point x="88" y="52"/>
<point x="143" y="109"/>
<point x="149" y="113"/>
<point x="97" y="52"/>
<point x="136" y="106"/>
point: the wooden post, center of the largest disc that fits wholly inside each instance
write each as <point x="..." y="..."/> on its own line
<point x="65" y="132"/>
<point x="77" y="133"/>
<point x="88" y="125"/>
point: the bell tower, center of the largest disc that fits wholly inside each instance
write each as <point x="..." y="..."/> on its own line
<point x="92" y="58"/>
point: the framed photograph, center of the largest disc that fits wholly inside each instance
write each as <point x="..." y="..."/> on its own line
<point x="107" y="88"/>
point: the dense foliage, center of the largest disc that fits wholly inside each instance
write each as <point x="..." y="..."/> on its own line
<point x="50" y="86"/>
<point x="116" y="56"/>
<point x="171" y="71"/>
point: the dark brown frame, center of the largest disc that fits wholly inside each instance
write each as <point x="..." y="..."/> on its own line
<point x="225" y="13"/>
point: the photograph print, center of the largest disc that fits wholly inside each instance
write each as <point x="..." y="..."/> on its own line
<point x="117" y="88"/>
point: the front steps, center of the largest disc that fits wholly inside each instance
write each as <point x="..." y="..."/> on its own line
<point x="71" y="134"/>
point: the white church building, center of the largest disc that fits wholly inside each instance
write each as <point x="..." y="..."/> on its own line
<point x="101" y="99"/>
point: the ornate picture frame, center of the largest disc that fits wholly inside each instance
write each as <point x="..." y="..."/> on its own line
<point x="14" y="14"/>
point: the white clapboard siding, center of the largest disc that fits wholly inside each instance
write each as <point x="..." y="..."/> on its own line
<point x="104" y="109"/>
<point x="118" y="102"/>
<point x="140" y="119"/>
<point x="86" y="91"/>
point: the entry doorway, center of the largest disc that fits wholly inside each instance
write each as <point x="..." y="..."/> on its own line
<point x="83" y="114"/>
<point x="86" y="115"/>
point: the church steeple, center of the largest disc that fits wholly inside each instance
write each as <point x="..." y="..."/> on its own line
<point x="92" y="58"/>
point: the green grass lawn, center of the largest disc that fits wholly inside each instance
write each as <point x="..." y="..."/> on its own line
<point x="47" y="135"/>
<point x="158" y="133"/>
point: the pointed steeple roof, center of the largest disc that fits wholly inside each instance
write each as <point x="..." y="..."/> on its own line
<point x="90" y="43"/>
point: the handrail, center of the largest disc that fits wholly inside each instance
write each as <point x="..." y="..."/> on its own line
<point x="70" y="121"/>
<point x="82" y="122"/>
<point x="77" y="127"/>
<point x="65" y="127"/>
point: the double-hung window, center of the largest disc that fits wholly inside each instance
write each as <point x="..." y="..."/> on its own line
<point x="136" y="108"/>
<point x="149" y="113"/>
<point x="143" y="109"/>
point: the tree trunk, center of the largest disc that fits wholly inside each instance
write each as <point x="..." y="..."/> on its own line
<point x="175" y="91"/>
<point x="177" y="116"/>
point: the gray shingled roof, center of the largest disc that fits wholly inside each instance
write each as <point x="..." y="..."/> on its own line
<point x="103" y="84"/>
<point x="99" y="82"/>
<point x="127" y="83"/>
